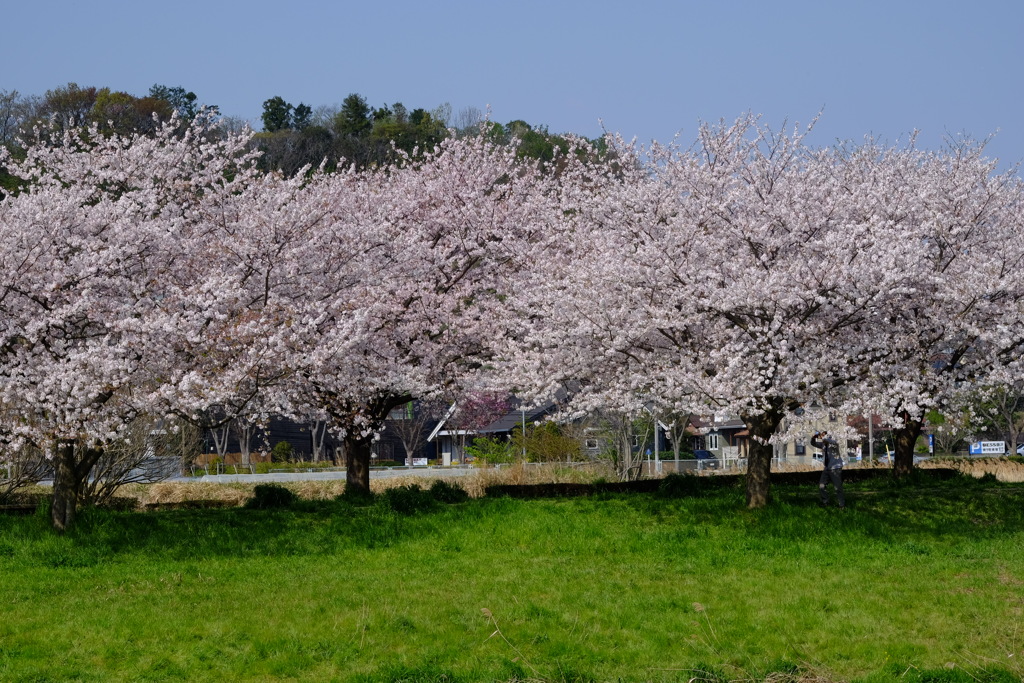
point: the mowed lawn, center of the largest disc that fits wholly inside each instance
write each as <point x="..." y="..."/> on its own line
<point x="909" y="583"/>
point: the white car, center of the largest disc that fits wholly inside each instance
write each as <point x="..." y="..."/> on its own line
<point x="1020" y="449"/>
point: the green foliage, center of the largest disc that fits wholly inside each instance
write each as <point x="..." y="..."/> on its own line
<point x="302" y="116"/>
<point x="277" y="114"/>
<point x="491" y="449"/>
<point x="407" y="500"/>
<point x="70" y="104"/>
<point x="448" y="492"/>
<point x="411" y="499"/>
<point x="357" y="497"/>
<point x="299" y="466"/>
<point x="184" y="102"/>
<point x="715" y="592"/>
<point x="546" y="442"/>
<point x="354" y="117"/>
<point x="281" y="452"/>
<point x="270" y="497"/>
<point x="906" y="672"/>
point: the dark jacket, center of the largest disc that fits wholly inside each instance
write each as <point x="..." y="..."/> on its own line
<point x="829" y="450"/>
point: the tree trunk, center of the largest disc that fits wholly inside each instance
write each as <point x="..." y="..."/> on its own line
<point x="65" y="489"/>
<point x="905" y="439"/>
<point x="357" y="448"/>
<point x="357" y="463"/>
<point x="67" y="482"/>
<point x="759" y="459"/>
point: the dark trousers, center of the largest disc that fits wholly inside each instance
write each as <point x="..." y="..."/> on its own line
<point x="836" y="477"/>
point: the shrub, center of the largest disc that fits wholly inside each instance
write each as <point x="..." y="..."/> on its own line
<point x="270" y="496"/>
<point x="490" y="449"/>
<point x="407" y="500"/>
<point x="448" y="492"/>
<point x="357" y="497"/>
<point x="282" y="452"/>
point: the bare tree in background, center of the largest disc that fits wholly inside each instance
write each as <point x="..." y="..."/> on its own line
<point x="469" y="119"/>
<point x="627" y="433"/>
<point x="1003" y="408"/>
<point x="244" y="430"/>
<point x="318" y="434"/>
<point x="409" y="422"/>
<point x="20" y="467"/>
<point x="151" y="450"/>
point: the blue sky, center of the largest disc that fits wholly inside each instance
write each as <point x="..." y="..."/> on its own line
<point x="646" y="69"/>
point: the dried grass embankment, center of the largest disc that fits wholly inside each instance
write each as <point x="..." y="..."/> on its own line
<point x="1004" y="469"/>
<point x="198" y="494"/>
<point x="201" y="494"/>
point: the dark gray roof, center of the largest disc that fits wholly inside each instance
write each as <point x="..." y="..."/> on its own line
<point x="514" y="419"/>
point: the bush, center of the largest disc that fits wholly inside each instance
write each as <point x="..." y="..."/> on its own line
<point x="357" y="497"/>
<point x="408" y="500"/>
<point x="448" y="492"/>
<point x="490" y="449"/>
<point x="269" y="497"/>
<point x="282" y="452"/>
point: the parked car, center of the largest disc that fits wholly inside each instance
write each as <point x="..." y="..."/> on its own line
<point x="706" y="460"/>
<point x="1020" y="449"/>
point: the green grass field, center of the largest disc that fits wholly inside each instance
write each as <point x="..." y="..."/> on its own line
<point x="922" y="583"/>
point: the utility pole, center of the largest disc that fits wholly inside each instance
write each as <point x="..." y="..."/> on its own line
<point x="871" y="439"/>
<point x="523" y="409"/>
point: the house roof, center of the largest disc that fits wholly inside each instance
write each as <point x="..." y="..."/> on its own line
<point x="513" y="419"/>
<point x="505" y="423"/>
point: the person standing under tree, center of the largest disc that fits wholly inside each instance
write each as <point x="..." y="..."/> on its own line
<point x="833" y="471"/>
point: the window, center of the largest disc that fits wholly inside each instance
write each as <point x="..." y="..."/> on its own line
<point x="799" y="448"/>
<point x="712" y="441"/>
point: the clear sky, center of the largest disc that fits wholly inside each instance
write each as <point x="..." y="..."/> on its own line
<point x="645" y="69"/>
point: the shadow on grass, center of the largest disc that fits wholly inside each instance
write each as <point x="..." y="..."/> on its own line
<point x="925" y="507"/>
<point x="303" y="528"/>
<point x="897" y="512"/>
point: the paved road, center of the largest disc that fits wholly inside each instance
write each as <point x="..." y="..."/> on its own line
<point x="334" y="474"/>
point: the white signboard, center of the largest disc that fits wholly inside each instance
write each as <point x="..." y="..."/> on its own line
<point x="988" y="448"/>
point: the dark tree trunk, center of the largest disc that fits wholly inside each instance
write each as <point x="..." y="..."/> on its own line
<point x="905" y="439"/>
<point x="65" y="489"/>
<point x="357" y="463"/>
<point x="358" y="448"/>
<point x="759" y="459"/>
<point x="73" y="465"/>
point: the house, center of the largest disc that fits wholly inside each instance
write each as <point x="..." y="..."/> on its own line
<point x="727" y="438"/>
<point x="404" y="425"/>
<point x="451" y="441"/>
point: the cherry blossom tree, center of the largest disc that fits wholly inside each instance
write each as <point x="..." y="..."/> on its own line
<point x="953" y="318"/>
<point x="714" y="279"/>
<point x="751" y="275"/>
<point x="415" y="262"/>
<point x="748" y="274"/>
<point x="94" y="250"/>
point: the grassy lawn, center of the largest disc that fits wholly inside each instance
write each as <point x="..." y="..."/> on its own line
<point x="921" y="583"/>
